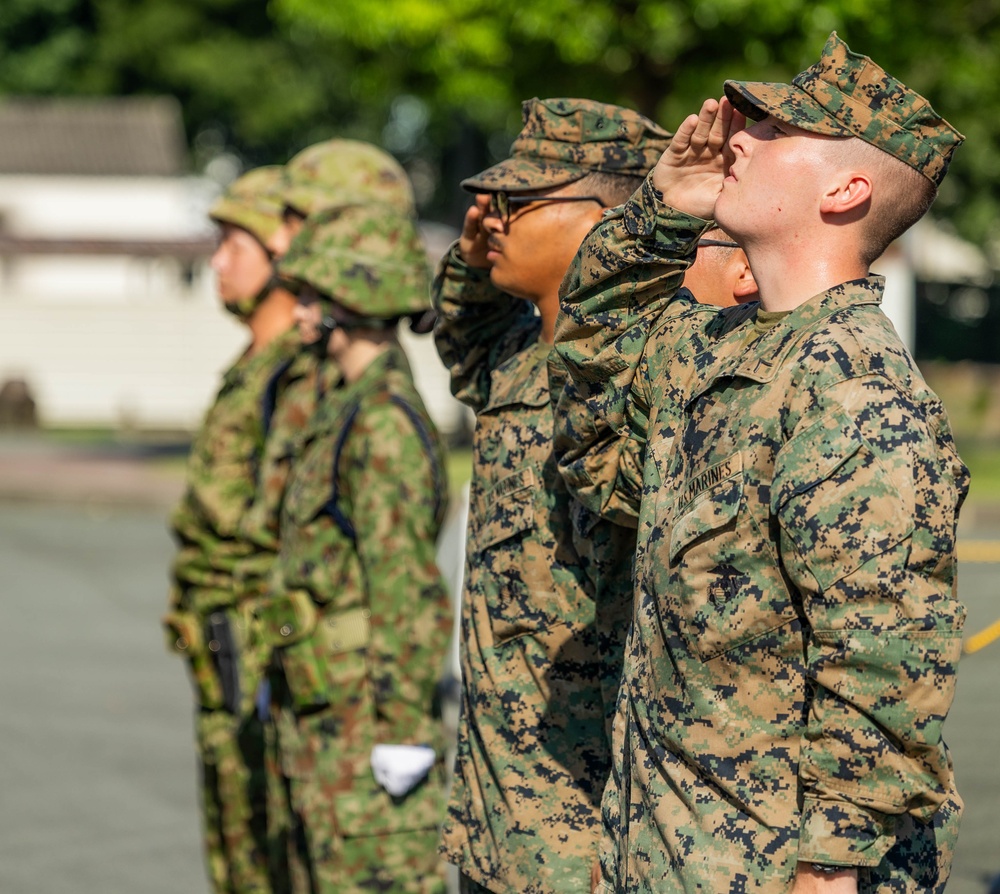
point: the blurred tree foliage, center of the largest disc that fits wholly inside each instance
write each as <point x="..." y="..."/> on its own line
<point x="245" y="85"/>
<point x="439" y="82"/>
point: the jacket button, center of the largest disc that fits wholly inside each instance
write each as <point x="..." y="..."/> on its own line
<point x="214" y="645"/>
<point x="286" y="630"/>
<point x="181" y="644"/>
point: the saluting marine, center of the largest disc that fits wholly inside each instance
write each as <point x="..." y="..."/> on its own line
<point x="797" y="628"/>
<point x="547" y="583"/>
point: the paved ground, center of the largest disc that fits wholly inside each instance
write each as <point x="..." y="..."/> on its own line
<point x="97" y="783"/>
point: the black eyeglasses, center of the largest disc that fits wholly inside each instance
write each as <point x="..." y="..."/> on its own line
<point x="721" y="243"/>
<point x="502" y="203"/>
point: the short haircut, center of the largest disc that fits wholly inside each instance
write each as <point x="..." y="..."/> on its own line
<point x="901" y="195"/>
<point x="613" y="189"/>
<point x="720" y="235"/>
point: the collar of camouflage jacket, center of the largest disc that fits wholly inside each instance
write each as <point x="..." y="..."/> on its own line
<point x="731" y="357"/>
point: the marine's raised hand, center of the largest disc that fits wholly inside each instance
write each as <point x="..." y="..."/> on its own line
<point x="690" y="172"/>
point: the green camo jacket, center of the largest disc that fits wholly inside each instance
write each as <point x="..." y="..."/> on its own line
<point x="221" y="479"/>
<point x="540" y="662"/>
<point x="796" y="626"/>
<point x="291" y="399"/>
<point x="359" y="544"/>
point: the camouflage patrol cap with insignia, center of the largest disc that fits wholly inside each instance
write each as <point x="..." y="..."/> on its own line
<point x="563" y="140"/>
<point x="252" y="202"/>
<point x="845" y="94"/>
<point x="337" y="173"/>
<point x="369" y="259"/>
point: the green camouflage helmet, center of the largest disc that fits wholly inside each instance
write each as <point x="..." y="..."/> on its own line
<point x="252" y="202"/>
<point x="337" y="173"/>
<point x="369" y="259"/>
<point x="563" y="140"/>
<point x="845" y="94"/>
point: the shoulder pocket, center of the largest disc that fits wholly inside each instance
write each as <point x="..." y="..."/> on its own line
<point x="507" y="509"/>
<point x="836" y="501"/>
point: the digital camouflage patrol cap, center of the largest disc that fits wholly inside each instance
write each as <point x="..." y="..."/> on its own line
<point x="845" y="94"/>
<point x="252" y="202"/>
<point x="337" y="173"/>
<point x="369" y="259"/>
<point x="563" y="140"/>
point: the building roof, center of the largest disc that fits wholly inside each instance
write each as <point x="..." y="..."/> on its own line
<point x="120" y="136"/>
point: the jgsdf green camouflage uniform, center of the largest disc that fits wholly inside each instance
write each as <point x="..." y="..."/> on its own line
<point x="327" y="175"/>
<point x="537" y="662"/>
<point x="796" y="629"/>
<point x="357" y="611"/>
<point x="207" y="624"/>
<point x="322" y="176"/>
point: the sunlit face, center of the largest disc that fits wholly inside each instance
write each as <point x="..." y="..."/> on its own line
<point x="530" y="256"/>
<point x="242" y="265"/>
<point x="775" y="182"/>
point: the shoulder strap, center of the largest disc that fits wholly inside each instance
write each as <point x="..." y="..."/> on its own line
<point x="269" y="399"/>
<point x="332" y="507"/>
<point x="423" y="432"/>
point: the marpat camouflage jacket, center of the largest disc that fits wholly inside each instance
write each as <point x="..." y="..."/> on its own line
<point x="538" y="675"/>
<point x="796" y="627"/>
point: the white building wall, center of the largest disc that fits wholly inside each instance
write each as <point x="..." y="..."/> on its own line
<point x="55" y="207"/>
<point x="106" y="340"/>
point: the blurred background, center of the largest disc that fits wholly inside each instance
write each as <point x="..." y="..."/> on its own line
<point x="120" y="121"/>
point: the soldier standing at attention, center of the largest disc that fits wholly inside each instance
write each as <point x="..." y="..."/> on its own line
<point x="356" y="611"/>
<point x="206" y="623"/>
<point x="797" y="628"/>
<point x="327" y="175"/>
<point x="533" y="748"/>
<point x="324" y="176"/>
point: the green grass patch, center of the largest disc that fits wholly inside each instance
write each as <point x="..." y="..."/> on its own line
<point x="459" y="468"/>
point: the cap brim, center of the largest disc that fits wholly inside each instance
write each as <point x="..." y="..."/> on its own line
<point x="516" y="174"/>
<point x="786" y="102"/>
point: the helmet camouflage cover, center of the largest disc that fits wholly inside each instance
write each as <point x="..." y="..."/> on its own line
<point x="369" y="259"/>
<point x="336" y="173"/>
<point x="252" y="202"/>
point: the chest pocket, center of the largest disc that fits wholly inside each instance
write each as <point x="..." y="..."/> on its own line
<point x="725" y="587"/>
<point x="507" y="510"/>
<point x="518" y="591"/>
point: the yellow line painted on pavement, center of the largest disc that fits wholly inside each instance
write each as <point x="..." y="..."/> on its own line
<point x="982" y="639"/>
<point x="985" y="551"/>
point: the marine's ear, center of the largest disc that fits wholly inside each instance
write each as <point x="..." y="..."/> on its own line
<point x="849" y="191"/>
<point x="744" y="286"/>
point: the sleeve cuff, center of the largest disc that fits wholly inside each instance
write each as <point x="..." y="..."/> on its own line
<point x="674" y="233"/>
<point x="455" y="266"/>
<point x="837" y="833"/>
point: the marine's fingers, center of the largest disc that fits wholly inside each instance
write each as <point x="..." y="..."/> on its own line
<point x="707" y="118"/>
<point x="474" y="217"/>
<point x="681" y="139"/>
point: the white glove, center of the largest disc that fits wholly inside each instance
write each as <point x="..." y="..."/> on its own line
<point x="398" y="768"/>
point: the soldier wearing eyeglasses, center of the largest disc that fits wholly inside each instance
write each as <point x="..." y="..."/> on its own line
<point x="533" y="746"/>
